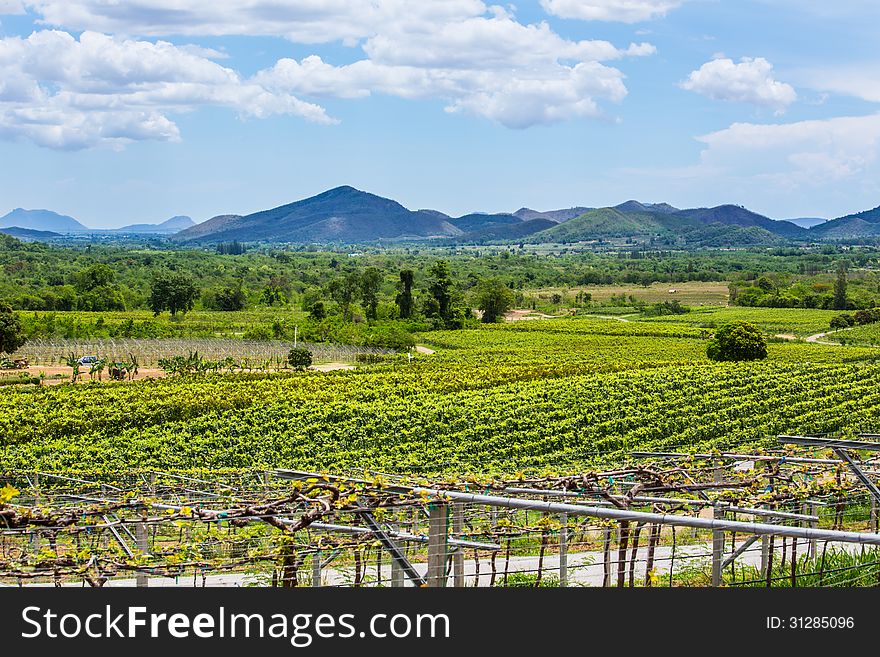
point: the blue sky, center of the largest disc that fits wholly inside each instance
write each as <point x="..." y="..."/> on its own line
<point x="144" y="109"/>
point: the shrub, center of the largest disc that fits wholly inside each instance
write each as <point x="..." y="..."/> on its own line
<point x="737" y="341"/>
<point x="299" y="358"/>
<point x="842" y="321"/>
<point x="863" y="317"/>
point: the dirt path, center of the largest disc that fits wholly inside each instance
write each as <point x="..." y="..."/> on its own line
<point x="332" y="367"/>
<point x="424" y="350"/>
<point x="817" y="339"/>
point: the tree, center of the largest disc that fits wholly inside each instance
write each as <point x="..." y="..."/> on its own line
<point x="230" y="299"/>
<point x="318" y="311"/>
<point x="440" y="289"/>
<point x="840" y="285"/>
<point x="344" y="291"/>
<point x="371" y="280"/>
<point x="494" y="298"/>
<point x="173" y="292"/>
<point x="404" y="298"/>
<point x="94" y="277"/>
<point x="738" y="341"/>
<point x="11" y="333"/>
<point x="299" y="358"/>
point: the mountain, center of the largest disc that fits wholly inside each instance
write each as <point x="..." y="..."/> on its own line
<point x="478" y="221"/>
<point x="170" y="226"/>
<point x="343" y="214"/>
<point x="500" y="232"/>
<point x="29" y="235"/>
<point x="556" y="216"/>
<point x="706" y="227"/>
<point x="635" y="206"/>
<point x="807" y="222"/>
<point x="853" y="226"/>
<point x="44" y="220"/>
<point x="735" y="215"/>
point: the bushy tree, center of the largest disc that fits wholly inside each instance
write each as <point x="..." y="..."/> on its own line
<point x="494" y="298"/>
<point x="840" y="285"/>
<point x="371" y="280"/>
<point x="404" y="298"/>
<point x="842" y="321"/>
<point x="299" y="358"/>
<point x="230" y="299"/>
<point x="173" y="292"/>
<point x="11" y="333"/>
<point x="738" y="341"/>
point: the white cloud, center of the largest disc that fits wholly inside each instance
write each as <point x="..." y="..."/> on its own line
<point x="489" y="66"/>
<point x="625" y="11"/>
<point x="818" y="152"/>
<point x="63" y="92"/>
<point x="303" y="21"/>
<point x="11" y="7"/>
<point x="477" y="59"/>
<point x="861" y="81"/>
<point x="749" y="81"/>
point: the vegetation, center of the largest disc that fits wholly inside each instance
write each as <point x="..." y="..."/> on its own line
<point x="737" y="341"/>
<point x="11" y="334"/>
<point x="299" y="358"/>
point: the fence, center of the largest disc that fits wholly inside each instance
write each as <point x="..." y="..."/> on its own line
<point x="150" y="351"/>
<point x="790" y="517"/>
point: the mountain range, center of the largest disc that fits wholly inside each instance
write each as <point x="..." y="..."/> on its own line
<point x="345" y="215"/>
<point x="46" y="221"/>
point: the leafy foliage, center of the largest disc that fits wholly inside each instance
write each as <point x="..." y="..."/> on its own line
<point x="737" y="341"/>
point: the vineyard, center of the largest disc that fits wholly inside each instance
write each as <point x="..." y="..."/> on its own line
<point x="777" y="517"/>
<point x="525" y="406"/>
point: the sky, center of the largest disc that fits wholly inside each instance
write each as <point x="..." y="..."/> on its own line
<point x="138" y="110"/>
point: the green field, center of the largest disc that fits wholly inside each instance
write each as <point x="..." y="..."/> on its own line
<point x="527" y="396"/>
<point x="800" y="322"/>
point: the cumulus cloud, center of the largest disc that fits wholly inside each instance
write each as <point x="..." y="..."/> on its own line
<point x="816" y="152"/>
<point x="861" y="81"/>
<point x="489" y="66"/>
<point x="64" y="92"/>
<point x="475" y="58"/>
<point x="624" y="11"/>
<point x="749" y="81"/>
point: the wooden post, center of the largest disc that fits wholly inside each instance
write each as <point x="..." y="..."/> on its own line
<point x="437" y="545"/>
<point x="563" y="550"/>
<point x="396" y="574"/>
<point x="814" y="511"/>
<point x="717" y="535"/>
<point x="143" y="547"/>
<point x="873" y="514"/>
<point x="316" y="570"/>
<point x="458" y="555"/>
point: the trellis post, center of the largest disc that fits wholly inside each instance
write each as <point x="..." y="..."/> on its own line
<point x="717" y="535"/>
<point x="142" y="579"/>
<point x="458" y="555"/>
<point x="563" y="550"/>
<point x="316" y="569"/>
<point x="437" y="544"/>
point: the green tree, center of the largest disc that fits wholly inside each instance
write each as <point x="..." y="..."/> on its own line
<point x="404" y="298"/>
<point x="494" y="298"/>
<point x="371" y="281"/>
<point x="441" y="289"/>
<point x="93" y="277"/>
<point x="299" y="358"/>
<point x="11" y="332"/>
<point x="173" y="292"/>
<point x="344" y="291"/>
<point x="318" y="311"/>
<point x="738" y="341"/>
<point x="840" y="285"/>
<point x="230" y="299"/>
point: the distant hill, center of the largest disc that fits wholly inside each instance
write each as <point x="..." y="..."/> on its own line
<point x="735" y="215"/>
<point x="807" y="222"/>
<point x="170" y="226"/>
<point x="343" y="214"/>
<point x="479" y="221"/>
<point x="28" y="235"/>
<point x="556" y="216"/>
<point x="722" y="226"/>
<point x="635" y="206"/>
<point x="853" y="226"/>
<point x="42" y="220"/>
